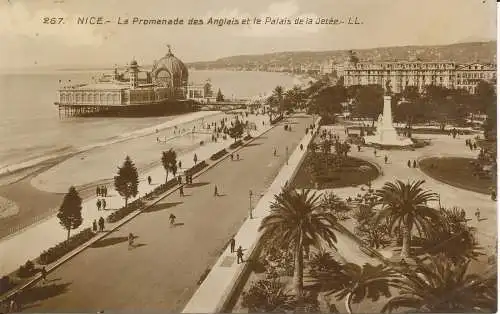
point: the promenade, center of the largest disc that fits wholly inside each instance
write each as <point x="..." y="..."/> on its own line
<point x="162" y="271"/>
<point x="16" y="249"/>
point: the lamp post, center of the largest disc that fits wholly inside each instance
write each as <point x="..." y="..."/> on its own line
<point x="439" y="200"/>
<point x="250" y="204"/>
<point x="287" y="155"/>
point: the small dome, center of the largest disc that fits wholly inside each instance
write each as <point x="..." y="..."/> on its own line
<point x="133" y="62"/>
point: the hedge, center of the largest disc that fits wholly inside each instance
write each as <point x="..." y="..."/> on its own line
<point x="61" y="249"/>
<point x="196" y="168"/>
<point x="26" y="270"/>
<point x="235" y="144"/>
<point x="125" y="211"/>
<point x="218" y="154"/>
<point x="6" y="284"/>
<point x="248" y="137"/>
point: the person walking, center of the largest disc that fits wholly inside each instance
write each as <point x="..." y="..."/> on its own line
<point x="237" y="156"/>
<point x="149" y="180"/>
<point x="301" y="146"/>
<point x="274" y="152"/>
<point x="239" y="255"/>
<point x="409" y="163"/>
<point x="43" y="273"/>
<point x="94" y="226"/>
<point x="195" y="159"/>
<point x="130" y="241"/>
<point x="232" y="157"/>
<point x="216" y="192"/>
<point x="359" y="148"/>
<point x="98" y="204"/>
<point x="179" y="179"/>
<point x="103" y="204"/>
<point x="386" y="158"/>
<point x="375" y="152"/>
<point x="414" y="164"/>
<point x="101" y="224"/>
<point x="97" y="191"/>
<point x="180" y="164"/>
<point x="105" y="191"/>
<point x="478" y="214"/>
<point x="181" y="191"/>
<point x="172" y="219"/>
<point x="232" y="244"/>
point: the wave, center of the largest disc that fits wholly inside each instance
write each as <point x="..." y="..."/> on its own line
<point x="70" y="150"/>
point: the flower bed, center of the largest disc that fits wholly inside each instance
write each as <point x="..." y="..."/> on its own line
<point x="124" y="211"/>
<point x="197" y="168"/>
<point x="236" y="144"/>
<point x="61" y="249"/>
<point x="218" y="154"/>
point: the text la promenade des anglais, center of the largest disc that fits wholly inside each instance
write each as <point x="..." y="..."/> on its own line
<point x="206" y="21"/>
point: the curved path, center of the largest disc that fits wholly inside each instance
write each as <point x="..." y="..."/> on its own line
<point x="161" y="273"/>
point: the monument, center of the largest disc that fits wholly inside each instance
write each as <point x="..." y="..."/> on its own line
<point x="386" y="134"/>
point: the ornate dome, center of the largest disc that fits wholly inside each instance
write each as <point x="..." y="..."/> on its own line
<point x="176" y="68"/>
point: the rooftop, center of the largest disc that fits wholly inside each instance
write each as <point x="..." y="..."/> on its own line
<point x="99" y="86"/>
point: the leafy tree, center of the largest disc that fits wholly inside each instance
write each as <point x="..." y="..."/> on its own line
<point x="369" y="101"/>
<point x="486" y="97"/>
<point x="267" y="296"/>
<point x="334" y="204"/>
<point x="127" y="180"/>
<point x="404" y="206"/>
<point x="354" y="283"/>
<point x="70" y="211"/>
<point x="220" y="96"/>
<point x="237" y="130"/>
<point x="296" y="221"/>
<point x="279" y="96"/>
<point x="169" y="162"/>
<point x="440" y="286"/>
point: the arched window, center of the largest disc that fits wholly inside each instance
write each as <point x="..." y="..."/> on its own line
<point x="115" y="98"/>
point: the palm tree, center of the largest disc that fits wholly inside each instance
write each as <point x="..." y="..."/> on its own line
<point x="404" y="206"/>
<point x="354" y="282"/>
<point x="441" y="286"/>
<point x="278" y="94"/>
<point x="267" y="296"/>
<point x="296" y="221"/>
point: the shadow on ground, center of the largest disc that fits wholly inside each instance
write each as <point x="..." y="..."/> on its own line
<point x="253" y="144"/>
<point x="108" y="242"/>
<point x="197" y="184"/>
<point x="161" y="206"/>
<point x="33" y="296"/>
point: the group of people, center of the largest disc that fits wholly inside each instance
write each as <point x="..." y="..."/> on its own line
<point x="470" y="144"/>
<point x="239" y="251"/>
<point x="101" y="191"/>
<point x="101" y="204"/>
<point x="237" y="156"/>
<point x="409" y="163"/>
<point x="99" y="223"/>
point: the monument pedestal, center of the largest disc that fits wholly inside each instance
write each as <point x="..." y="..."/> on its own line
<point x="386" y="134"/>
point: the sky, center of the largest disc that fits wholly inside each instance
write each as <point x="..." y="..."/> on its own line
<point x="25" y="41"/>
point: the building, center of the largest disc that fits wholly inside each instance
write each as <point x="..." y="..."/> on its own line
<point x="418" y="73"/>
<point x="164" y="84"/>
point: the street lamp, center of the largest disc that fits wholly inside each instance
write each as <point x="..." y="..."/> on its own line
<point x="287" y="155"/>
<point x="250" y="201"/>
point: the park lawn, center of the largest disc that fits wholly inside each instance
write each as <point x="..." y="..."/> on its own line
<point x="349" y="174"/>
<point x="455" y="171"/>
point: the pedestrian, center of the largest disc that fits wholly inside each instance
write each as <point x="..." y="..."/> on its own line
<point x="94" y="226"/>
<point x="301" y="147"/>
<point x="274" y="152"/>
<point x="180" y="164"/>
<point x="414" y="164"/>
<point x="179" y="179"/>
<point x="359" y="148"/>
<point x="232" y="157"/>
<point x="130" y="240"/>
<point x="97" y="191"/>
<point x="172" y="219"/>
<point x="149" y="180"/>
<point x="14" y="306"/>
<point x="409" y="163"/>
<point x="478" y="214"/>
<point x="195" y="159"/>
<point x="105" y="191"/>
<point x="103" y="203"/>
<point x="386" y="158"/>
<point x="375" y="152"/>
<point x="101" y="224"/>
<point x="44" y="274"/>
<point x="475" y="146"/>
<point x="232" y="244"/>
<point x="239" y="255"/>
<point x="181" y="191"/>
<point x="237" y="156"/>
<point x="216" y="193"/>
<point x="98" y="204"/>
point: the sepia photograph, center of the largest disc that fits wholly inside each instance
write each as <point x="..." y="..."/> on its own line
<point x="265" y="156"/>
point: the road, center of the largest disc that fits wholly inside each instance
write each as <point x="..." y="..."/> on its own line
<point x="162" y="271"/>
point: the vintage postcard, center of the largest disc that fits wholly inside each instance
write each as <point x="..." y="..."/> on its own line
<point x="163" y="156"/>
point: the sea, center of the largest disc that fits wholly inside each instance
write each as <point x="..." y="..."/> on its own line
<point x="31" y="131"/>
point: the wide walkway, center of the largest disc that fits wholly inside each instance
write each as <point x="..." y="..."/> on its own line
<point x="26" y="245"/>
<point x="162" y="271"/>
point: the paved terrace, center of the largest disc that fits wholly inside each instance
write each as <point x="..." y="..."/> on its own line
<point x="162" y="271"/>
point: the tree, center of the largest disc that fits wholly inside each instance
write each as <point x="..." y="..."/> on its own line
<point x="332" y="203"/>
<point x="127" y="180"/>
<point x="440" y="286"/>
<point x="404" y="205"/>
<point x="220" y="96"/>
<point x="237" y="130"/>
<point x="278" y="94"/>
<point x="169" y="162"/>
<point x="369" y="101"/>
<point x="297" y="221"/>
<point x="354" y="283"/>
<point x="328" y="101"/>
<point x="70" y="211"/>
